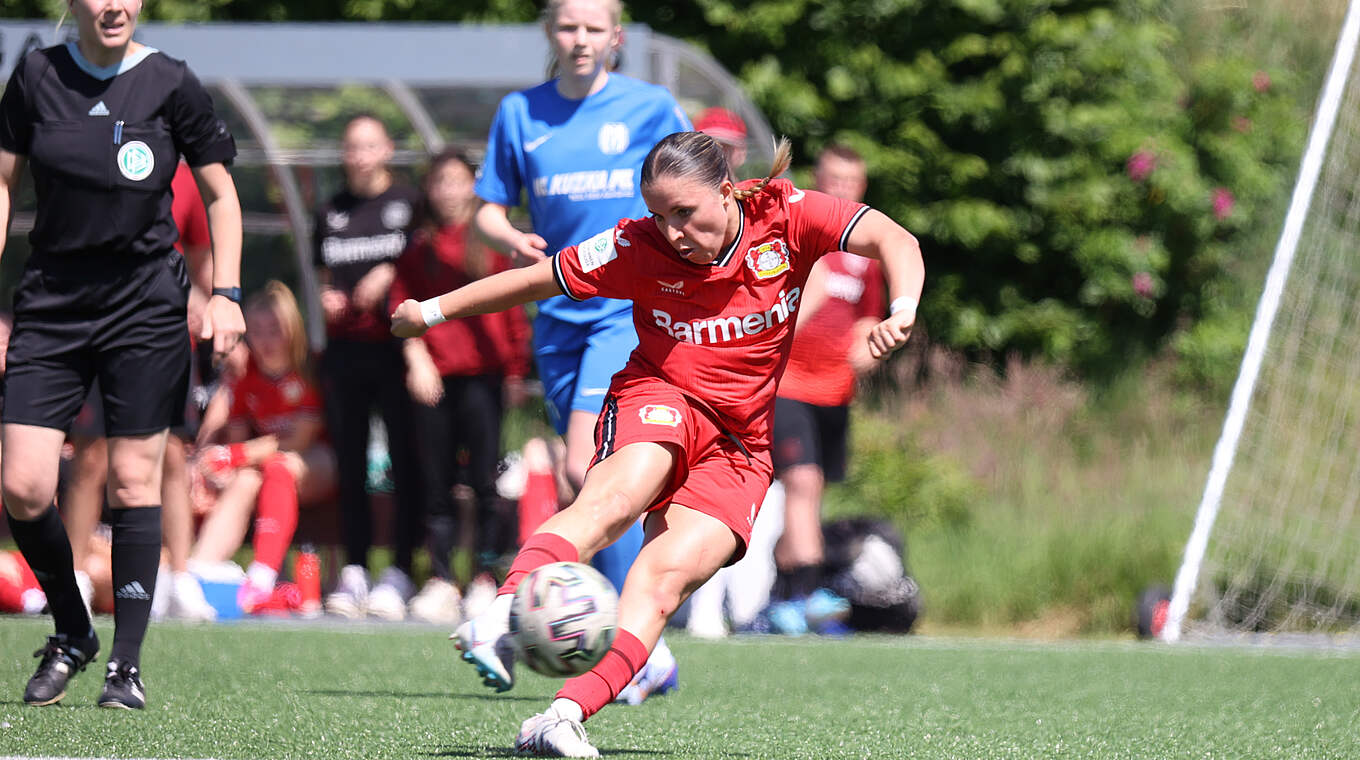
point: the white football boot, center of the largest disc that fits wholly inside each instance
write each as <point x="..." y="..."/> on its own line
<point x="551" y="734"/>
<point x="485" y="642"/>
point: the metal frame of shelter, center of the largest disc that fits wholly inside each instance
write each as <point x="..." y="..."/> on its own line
<point x="442" y="80"/>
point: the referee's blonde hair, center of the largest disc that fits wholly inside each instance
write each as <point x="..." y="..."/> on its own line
<point x="697" y="156"/>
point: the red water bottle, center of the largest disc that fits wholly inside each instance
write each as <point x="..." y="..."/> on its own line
<point x="307" y="574"/>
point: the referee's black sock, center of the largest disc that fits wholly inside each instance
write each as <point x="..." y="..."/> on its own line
<point x="136" y="557"/>
<point x="47" y="551"/>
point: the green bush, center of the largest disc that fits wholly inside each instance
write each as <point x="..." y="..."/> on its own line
<point x="892" y="477"/>
<point x="1080" y="195"/>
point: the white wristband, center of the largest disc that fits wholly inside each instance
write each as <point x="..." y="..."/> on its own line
<point x="902" y="303"/>
<point x="430" y="312"/>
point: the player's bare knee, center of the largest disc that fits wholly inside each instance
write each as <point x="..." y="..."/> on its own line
<point x="666" y="585"/>
<point x="27" y="497"/>
<point x="133" y="486"/>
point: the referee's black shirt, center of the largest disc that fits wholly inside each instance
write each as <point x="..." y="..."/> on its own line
<point x="102" y="144"/>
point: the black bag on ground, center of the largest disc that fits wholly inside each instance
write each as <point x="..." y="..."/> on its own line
<point x="864" y="563"/>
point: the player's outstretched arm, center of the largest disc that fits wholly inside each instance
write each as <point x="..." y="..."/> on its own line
<point x="881" y="238"/>
<point x="497" y="292"/>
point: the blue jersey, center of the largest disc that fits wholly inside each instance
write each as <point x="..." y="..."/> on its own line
<point x="580" y="161"/>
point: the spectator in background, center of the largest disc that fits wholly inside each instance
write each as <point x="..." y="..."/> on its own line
<point x="359" y="235"/>
<point x="177" y="593"/>
<point x="843" y="300"/>
<point x="552" y="140"/>
<point x="276" y="453"/>
<point x="730" y="132"/>
<point x="458" y="376"/>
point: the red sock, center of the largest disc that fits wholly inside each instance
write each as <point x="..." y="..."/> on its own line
<point x="541" y="549"/>
<point x="537" y="504"/>
<point x="598" y="686"/>
<point x="276" y="513"/>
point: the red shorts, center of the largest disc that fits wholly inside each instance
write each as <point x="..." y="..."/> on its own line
<point x="713" y="475"/>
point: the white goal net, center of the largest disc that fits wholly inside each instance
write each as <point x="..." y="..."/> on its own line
<point x="1276" y="544"/>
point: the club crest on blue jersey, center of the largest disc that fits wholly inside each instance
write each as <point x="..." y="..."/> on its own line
<point x="136" y="161"/>
<point x="768" y="259"/>
<point x="613" y="138"/>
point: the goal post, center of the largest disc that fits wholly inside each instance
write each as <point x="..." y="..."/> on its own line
<point x="1284" y="484"/>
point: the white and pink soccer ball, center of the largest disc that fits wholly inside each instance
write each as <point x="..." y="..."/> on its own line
<point x="563" y="618"/>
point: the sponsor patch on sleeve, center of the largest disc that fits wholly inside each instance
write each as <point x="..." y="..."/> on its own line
<point x="597" y="251"/>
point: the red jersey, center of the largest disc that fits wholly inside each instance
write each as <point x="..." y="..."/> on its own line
<point x="819" y="370"/>
<point x="273" y="405"/>
<point x="486" y="344"/>
<point x="719" y="332"/>
<point x="191" y="217"/>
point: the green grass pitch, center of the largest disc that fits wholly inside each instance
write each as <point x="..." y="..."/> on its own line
<point x="258" y="690"/>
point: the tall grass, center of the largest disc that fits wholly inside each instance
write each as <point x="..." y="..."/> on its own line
<point x="1294" y="34"/>
<point x="1028" y="500"/>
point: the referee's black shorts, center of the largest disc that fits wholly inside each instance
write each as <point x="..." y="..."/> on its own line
<point x="116" y="317"/>
<point x="809" y="434"/>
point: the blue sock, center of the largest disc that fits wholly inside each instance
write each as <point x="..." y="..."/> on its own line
<point x="615" y="559"/>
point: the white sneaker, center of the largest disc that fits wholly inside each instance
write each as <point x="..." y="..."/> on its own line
<point x="350" y="597"/>
<point x="187" y="601"/>
<point x="485" y="643"/>
<point x="548" y="734"/>
<point x="438" y="602"/>
<point x="387" y="600"/>
<point x="480" y="594"/>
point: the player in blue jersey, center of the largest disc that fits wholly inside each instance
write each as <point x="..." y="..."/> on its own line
<point x="575" y="146"/>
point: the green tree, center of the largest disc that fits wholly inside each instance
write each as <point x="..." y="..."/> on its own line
<point x="1077" y="194"/>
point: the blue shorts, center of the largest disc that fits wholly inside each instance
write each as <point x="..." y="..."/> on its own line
<point x="577" y="361"/>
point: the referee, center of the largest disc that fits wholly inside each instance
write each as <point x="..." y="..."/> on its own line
<point x="102" y="122"/>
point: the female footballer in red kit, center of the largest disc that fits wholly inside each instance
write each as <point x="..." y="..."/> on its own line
<point x="715" y="276"/>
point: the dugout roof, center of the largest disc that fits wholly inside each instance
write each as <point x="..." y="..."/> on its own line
<point x="286" y="91"/>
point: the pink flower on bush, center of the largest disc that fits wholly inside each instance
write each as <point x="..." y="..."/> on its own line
<point x="1260" y="81"/>
<point x="1223" y="201"/>
<point x="1241" y="124"/>
<point x="1143" y="285"/>
<point x="1141" y="164"/>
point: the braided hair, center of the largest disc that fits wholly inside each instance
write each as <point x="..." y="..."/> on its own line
<point x="697" y="156"/>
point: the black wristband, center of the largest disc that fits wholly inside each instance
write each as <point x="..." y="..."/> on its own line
<point x="231" y="294"/>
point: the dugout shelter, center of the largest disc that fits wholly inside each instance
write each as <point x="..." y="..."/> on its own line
<point x="286" y="91"/>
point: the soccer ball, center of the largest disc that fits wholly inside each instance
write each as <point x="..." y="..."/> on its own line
<point x="563" y="618"/>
